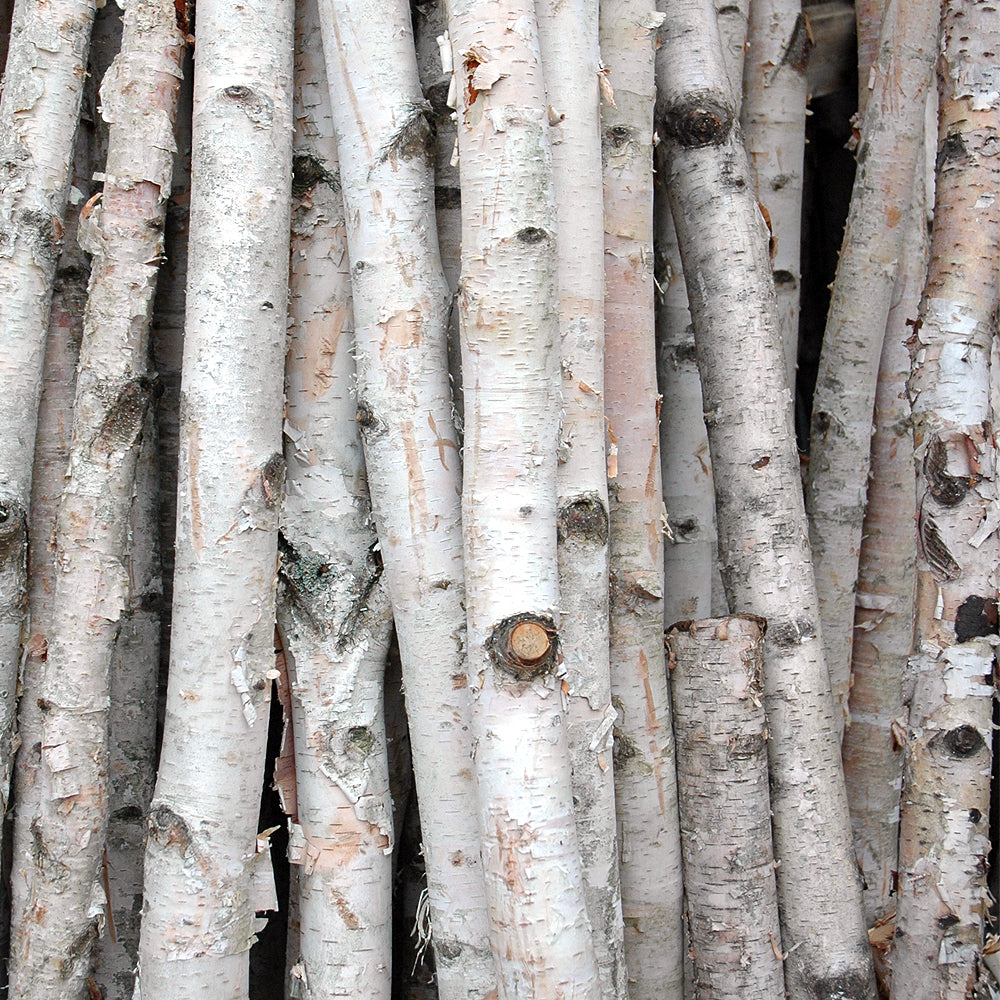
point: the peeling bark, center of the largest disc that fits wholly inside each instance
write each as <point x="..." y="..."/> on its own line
<point x="943" y="825"/>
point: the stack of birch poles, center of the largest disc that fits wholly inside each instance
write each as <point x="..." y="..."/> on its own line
<point x="474" y="345"/>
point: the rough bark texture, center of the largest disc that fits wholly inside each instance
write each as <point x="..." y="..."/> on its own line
<point x="411" y="450"/>
<point x="717" y="676"/>
<point x="206" y="870"/>
<point x="539" y="930"/>
<point x="333" y="609"/>
<point x="943" y="833"/>
<point x="61" y="849"/>
<point x="883" y="616"/>
<point x="43" y="86"/>
<point x="568" y="34"/>
<point x="762" y="527"/>
<point x="890" y="147"/>
<point x="645" y="782"/>
<point x="774" y="126"/>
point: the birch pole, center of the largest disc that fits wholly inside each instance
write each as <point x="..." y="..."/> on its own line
<point x="773" y="116"/>
<point x="569" y="37"/>
<point x="206" y="871"/>
<point x="889" y="150"/>
<point x="944" y="819"/>
<point x="645" y="768"/>
<point x="59" y="918"/>
<point x="404" y="410"/>
<point x="333" y="609"/>
<point x="43" y="86"/>
<point x="539" y="932"/>
<point x="762" y="527"/>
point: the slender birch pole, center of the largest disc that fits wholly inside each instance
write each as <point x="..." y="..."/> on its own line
<point x="944" y="824"/>
<point x="690" y="554"/>
<point x="43" y="85"/>
<point x="717" y="675"/>
<point x="204" y="864"/>
<point x="539" y="930"/>
<point x="568" y="35"/>
<point x="888" y="153"/>
<point x="63" y="909"/>
<point x="773" y="116"/>
<point x="404" y="410"/>
<point x="645" y="769"/>
<point x="333" y="609"/>
<point x="762" y="527"/>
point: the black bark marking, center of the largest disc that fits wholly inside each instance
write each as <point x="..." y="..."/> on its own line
<point x="501" y="646"/>
<point x="585" y="518"/>
<point x="413" y="138"/>
<point x="961" y="742"/>
<point x="124" y="418"/>
<point x="952" y="149"/>
<point x="942" y="564"/>
<point x="761" y="462"/>
<point x="686" y="526"/>
<point x="947" y="490"/>
<point x="13" y="534"/>
<point x="948" y="920"/>
<point x="784" y="278"/>
<point x="799" y="46"/>
<point x="624" y="749"/>
<point x="272" y="481"/>
<point x="79" y="948"/>
<point x="360" y="742"/>
<point x="791" y="633"/>
<point x="532" y="234"/>
<point x="847" y="986"/>
<point x="238" y="93"/>
<point x="699" y="119"/>
<point x="164" y="825"/>
<point x="309" y="170"/>
<point x="447" y="197"/>
<point x="977" y="616"/>
<point x="975" y="816"/>
<point x="45" y="233"/>
<point x="618" y="136"/>
<point x="369" y="423"/>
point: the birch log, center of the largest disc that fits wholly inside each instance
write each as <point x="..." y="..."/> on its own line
<point x="206" y="871"/>
<point x="762" y="527"/>
<point x="539" y="931"/>
<point x="43" y="85"/>
<point x="64" y="907"/>
<point x="889" y="150"/>
<point x="645" y="782"/>
<point x="944" y="824"/>
<point x="717" y="669"/>
<point x="405" y="413"/>
<point x="568" y="33"/>
<point x="333" y="609"/>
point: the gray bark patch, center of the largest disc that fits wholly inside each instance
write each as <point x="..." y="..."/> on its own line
<point x="584" y="519"/>
<point x="13" y="534"/>
<point x="413" y="138"/>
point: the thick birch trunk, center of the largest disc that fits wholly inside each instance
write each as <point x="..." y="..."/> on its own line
<point x="333" y="609"/>
<point x="717" y="675"/>
<point x="64" y="906"/>
<point x="883" y="617"/>
<point x="206" y="873"/>
<point x="943" y="833"/>
<point x="539" y="930"/>
<point x="568" y="34"/>
<point x="645" y="781"/>
<point x="762" y="527"/>
<point x="405" y="413"/>
<point x="774" y="126"/>
<point x="43" y="86"/>
<point x="888" y="153"/>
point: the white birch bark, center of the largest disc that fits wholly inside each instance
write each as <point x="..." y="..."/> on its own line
<point x="889" y="150"/>
<point x="773" y="116"/>
<point x="206" y="872"/>
<point x="405" y="413"/>
<point x="333" y="609"/>
<point x="645" y="782"/>
<point x="884" y="603"/>
<point x="43" y="85"/>
<point x="762" y="527"/>
<point x="690" y="553"/>
<point x="539" y="930"/>
<point x="717" y="677"/>
<point x="568" y="36"/>
<point x="63" y="908"/>
<point x="943" y="823"/>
